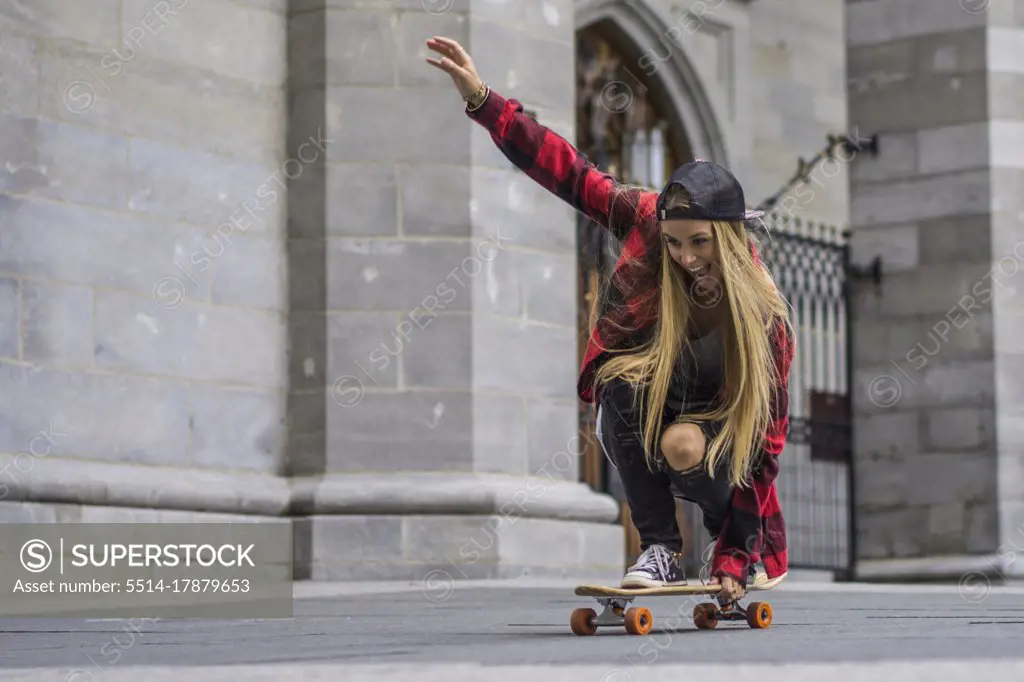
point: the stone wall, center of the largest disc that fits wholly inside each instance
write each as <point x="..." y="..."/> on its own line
<point x="254" y="259"/>
<point x="939" y="473"/>
<point x="142" y="305"/>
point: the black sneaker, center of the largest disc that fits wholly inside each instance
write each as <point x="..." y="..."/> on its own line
<point x="656" y="567"/>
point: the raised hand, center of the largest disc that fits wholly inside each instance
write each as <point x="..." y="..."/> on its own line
<point x="456" y="62"/>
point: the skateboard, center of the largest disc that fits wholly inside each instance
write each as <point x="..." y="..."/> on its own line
<point x="638" y="620"/>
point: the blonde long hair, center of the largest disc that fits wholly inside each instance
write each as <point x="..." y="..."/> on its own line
<point x="749" y="372"/>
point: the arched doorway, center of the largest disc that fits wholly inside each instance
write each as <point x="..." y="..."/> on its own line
<point x="626" y="127"/>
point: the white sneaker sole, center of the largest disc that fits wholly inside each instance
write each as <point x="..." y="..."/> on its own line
<point x="640" y="581"/>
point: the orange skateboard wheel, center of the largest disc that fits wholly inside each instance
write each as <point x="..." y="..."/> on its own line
<point x="759" y="615"/>
<point x="582" y="622"/>
<point x="705" y="616"/>
<point x="638" y="620"/>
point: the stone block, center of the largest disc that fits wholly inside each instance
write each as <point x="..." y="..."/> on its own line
<point x="500" y="291"/>
<point x="237" y="41"/>
<point x="872" y="535"/>
<point x="954" y="148"/>
<point x="549" y="288"/>
<point x="455" y="540"/>
<point x="894" y="105"/>
<point x="79" y="245"/>
<point x="1006" y="199"/>
<point x="144" y="99"/>
<point x="882" y="21"/>
<point x="908" y="201"/>
<point x="379" y="274"/>
<point x="960" y="383"/>
<point x="57" y="323"/>
<point x="250" y="274"/>
<point x="509" y="202"/>
<point x="10" y="329"/>
<point x="890" y="436"/>
<point x="525" y="66"/>
<point x="1005" y="49"/>
<point x="554" y="443"/>
<point x="95" y="416"/>
<point x="934" y="290"/>
<point x="352" y="47"/>
<point x="405" y="431"/>
<point x="62" y="161"/>
<point x="869" y="66"/>
<point x="552" y="20"/>
<point x="96" y="24"/>
<point x="235" y="429"/>
<point x="436" y="351"/>
<point x="957" y="239"/>
<point x="386" y="124"/>
<point x="408" y="45"/>
<point x="307" y="452"/>
<point x="243" y="347"/>
<point x="204" y="189"/>
<point x="347" y="200"/>
<point x="1010" y="465"/>
<point x="789" y="96"/>
<point x="500" y="434"/>
<point x="19" y="62"/>
<point x="941" y="478"/>
<point x="960" y="429"/>
<point x="945" y="530"/>
<point x="306" y="413"/>
<point x="879" y="388"/>
<point x="1007" y="380"/>
<point x="368" y="346"/>
<point x="917" y="343"/>
<point x="355" y="538"/>
<point x="898" y="246"/>
<point x="526" y="359"/>
<point x="307" y="275"/>
<point x="953" y="52"/>
<point x="435" y="200"/>
<point x="547" y="542"/>
<point x="1006" y="95"/>
<point x="981" y="520"/>
<point x="1010" y="425"/>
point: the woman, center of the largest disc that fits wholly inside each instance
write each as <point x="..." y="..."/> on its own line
<point x="689" y="360"/>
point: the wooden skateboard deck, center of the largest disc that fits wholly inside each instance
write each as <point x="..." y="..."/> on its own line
<point x="638" y="620"/>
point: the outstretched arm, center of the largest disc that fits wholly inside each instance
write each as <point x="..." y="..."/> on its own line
<point x="539" y="152"/>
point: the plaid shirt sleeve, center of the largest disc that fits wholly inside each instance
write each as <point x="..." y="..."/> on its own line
<point x="755" y="510"/>
<point x="556" y="165"/>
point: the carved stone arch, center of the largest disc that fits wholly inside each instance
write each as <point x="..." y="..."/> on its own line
<point x="676" y="81"/>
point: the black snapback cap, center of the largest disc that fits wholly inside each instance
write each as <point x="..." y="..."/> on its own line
<point x="714" y="194"/>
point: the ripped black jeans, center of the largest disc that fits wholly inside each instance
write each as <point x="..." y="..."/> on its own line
<point x="651" y="496"/>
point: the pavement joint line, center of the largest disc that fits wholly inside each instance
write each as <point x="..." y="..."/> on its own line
<point x="316" y="590"/>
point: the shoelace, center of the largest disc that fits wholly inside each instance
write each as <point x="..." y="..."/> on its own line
<point x="656" y="556"/>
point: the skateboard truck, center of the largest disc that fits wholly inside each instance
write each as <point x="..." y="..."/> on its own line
<point x="636" y="620"/>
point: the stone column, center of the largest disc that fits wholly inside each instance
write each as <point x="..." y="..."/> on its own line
<point x="142" y="299"/>
<point x="433" y="363"/>
<point x="939" y="353"/>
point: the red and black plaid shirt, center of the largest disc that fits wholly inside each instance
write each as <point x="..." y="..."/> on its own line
<point x="754" y="529"/>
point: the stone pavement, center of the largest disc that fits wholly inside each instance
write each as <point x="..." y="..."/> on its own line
<point x="519" y="630"/>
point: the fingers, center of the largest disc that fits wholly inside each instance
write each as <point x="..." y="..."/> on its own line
<point x="449" y="48"/>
